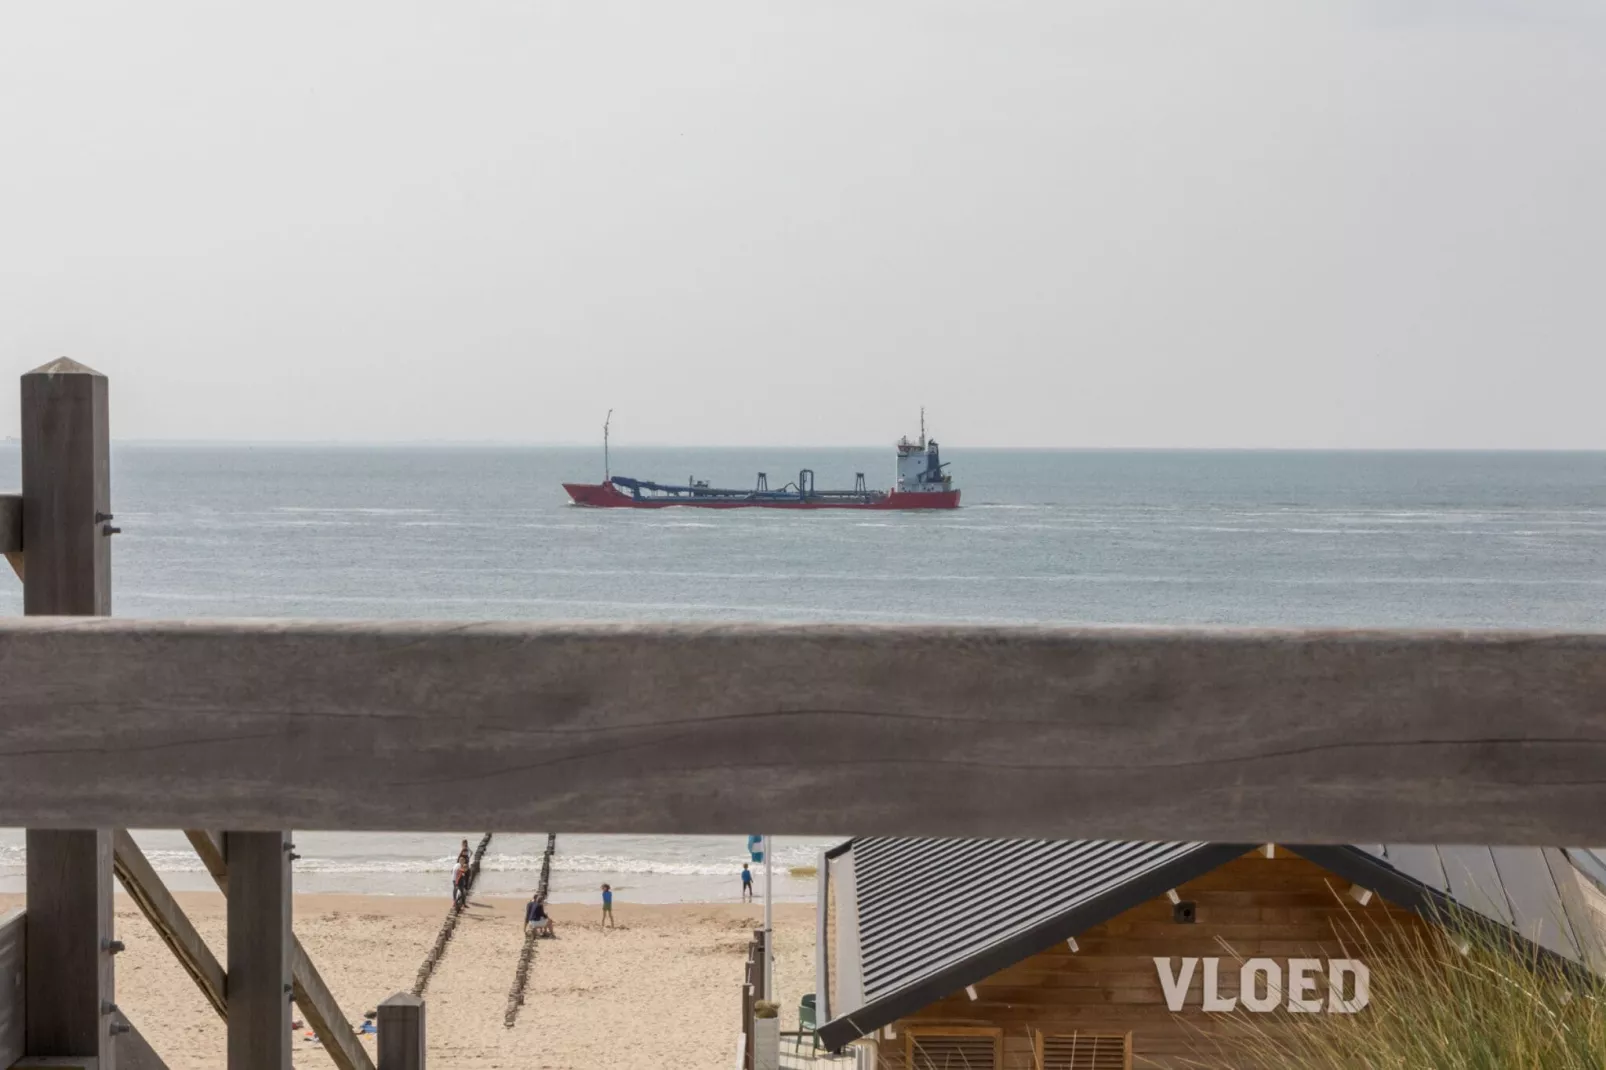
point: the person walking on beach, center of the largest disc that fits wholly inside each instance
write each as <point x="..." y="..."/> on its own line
<point x="747" y="884"/>
<point x="607" y="907"/>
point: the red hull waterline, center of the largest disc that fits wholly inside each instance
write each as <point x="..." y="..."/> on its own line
<point x="607" y="496"/>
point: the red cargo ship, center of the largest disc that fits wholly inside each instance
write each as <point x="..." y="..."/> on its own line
<point x="922" y="484"/>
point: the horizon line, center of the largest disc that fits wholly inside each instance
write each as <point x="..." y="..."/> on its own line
<point x="533" y="444"/>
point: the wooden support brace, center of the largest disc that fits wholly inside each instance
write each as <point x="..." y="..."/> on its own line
<point x="401" y="1033"/>
<point x="259" y="950"/>
<point x="169" y="920"/>
<point x="317" y="1003"/>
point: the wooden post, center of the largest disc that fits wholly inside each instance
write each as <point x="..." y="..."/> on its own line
<point x="259" y="950"/>
<point x="66" y="504"/>
<point x="401" y="1033"/>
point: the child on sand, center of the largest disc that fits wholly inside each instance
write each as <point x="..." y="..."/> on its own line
<point x="607" y="907"/>
<point x="747" y="884"/>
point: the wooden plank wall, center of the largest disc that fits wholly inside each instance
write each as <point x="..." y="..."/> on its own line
<point x="1318" y="737"/>
<point x="1279" y="908"/>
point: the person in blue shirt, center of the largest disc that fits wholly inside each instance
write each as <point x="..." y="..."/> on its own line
<point x="607" y="907"/>
<point x="747" y="884"/>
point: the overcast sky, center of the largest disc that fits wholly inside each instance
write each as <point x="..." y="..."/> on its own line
<point x="1053" y="223"/>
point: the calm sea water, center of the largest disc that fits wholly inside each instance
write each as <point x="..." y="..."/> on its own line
<point x="1347" y="539"/>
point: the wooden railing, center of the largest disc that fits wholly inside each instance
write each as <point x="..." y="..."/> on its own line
<point x="262" y="726"/>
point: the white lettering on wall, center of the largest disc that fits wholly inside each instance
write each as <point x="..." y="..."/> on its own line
<point x="1302" y="986"/>
<point x="1175" y="985"/>
<point x="1360" y="995"/>
<point x="1255" y="975"/>
<point x="1261" y="989"/>
<point x="1214" y="1002"/>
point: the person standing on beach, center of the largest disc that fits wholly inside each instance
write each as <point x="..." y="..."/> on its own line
<point x="607" y="907"/>
<point x="747" y="884"/>
<point x="460" y="884"/>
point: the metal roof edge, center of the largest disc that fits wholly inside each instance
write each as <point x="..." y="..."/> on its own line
<point x="840" y="849"/>
<point x="1368" y="871"/>
<point x="839" y="1032"/>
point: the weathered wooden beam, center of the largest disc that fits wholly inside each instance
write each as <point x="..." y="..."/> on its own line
<point x="66" y="491"/>
<point x="1293" y="737"/>
<point x="69" y="920"/>
<point x="11" y="531"/>
<point x="66" y="496"/>
<point x="312" y="994"/>
<point x="259" y="950"/>
<point x="13" y="988"/>
<point x="401" y="1033"/>
<point x="143" y="885"/>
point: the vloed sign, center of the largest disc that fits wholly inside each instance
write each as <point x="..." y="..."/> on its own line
<point x="1265" y="984"/>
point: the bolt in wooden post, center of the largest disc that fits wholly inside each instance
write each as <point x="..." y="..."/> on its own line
<point x="259" y="986"/>
<point x="401" y="1033"/>
<point x="66" y="492"/>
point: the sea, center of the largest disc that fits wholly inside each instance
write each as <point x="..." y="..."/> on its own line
<point x="1317" y="539"/>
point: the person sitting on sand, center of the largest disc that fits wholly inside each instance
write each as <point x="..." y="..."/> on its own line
<point x="535" y="915"/>
<point x="747" y="884"/>
<point x="607" y="907"/>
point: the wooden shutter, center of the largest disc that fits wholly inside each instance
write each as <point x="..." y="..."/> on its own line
<point x="1084" y="1051"/>
<point x="954" y="1048"/>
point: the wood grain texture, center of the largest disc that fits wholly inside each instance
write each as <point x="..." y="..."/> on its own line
<point x="259" y="950"/>
<point x="66" y="489"/>
<point x="69" y="918"/>
<point x="150" y="894"/>
<point x="402" y="1043"/>
<point x="312" y="995"/>
<point x="1126" y="734"/>
<point x="13" y="987"/>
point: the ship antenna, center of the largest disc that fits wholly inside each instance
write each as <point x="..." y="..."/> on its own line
<point x="922" y="427"/>
<point x="607" y="472"/>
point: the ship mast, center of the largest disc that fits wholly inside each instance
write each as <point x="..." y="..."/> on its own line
<point x="922" y="427"/>
<point x="607" y="473"/>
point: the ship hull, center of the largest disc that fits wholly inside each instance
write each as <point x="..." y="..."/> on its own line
<point x="607" y="496"/>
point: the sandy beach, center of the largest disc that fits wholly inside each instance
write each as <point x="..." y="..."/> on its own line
<point x="662" y="990"/>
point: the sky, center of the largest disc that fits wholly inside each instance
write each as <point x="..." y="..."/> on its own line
<point x="1097" y="223"/>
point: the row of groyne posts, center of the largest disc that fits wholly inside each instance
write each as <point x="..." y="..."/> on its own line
<point x="449" y="926"/>
<point x="521" y="974"/>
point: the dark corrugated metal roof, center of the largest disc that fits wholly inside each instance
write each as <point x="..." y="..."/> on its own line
<point x="934" y="915"/>
<point x="926" y="904"/>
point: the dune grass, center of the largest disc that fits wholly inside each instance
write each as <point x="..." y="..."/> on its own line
<point x="1457" y="995"/>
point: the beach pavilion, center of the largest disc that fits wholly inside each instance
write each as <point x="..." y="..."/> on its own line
<point x="1086" y="955"/>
